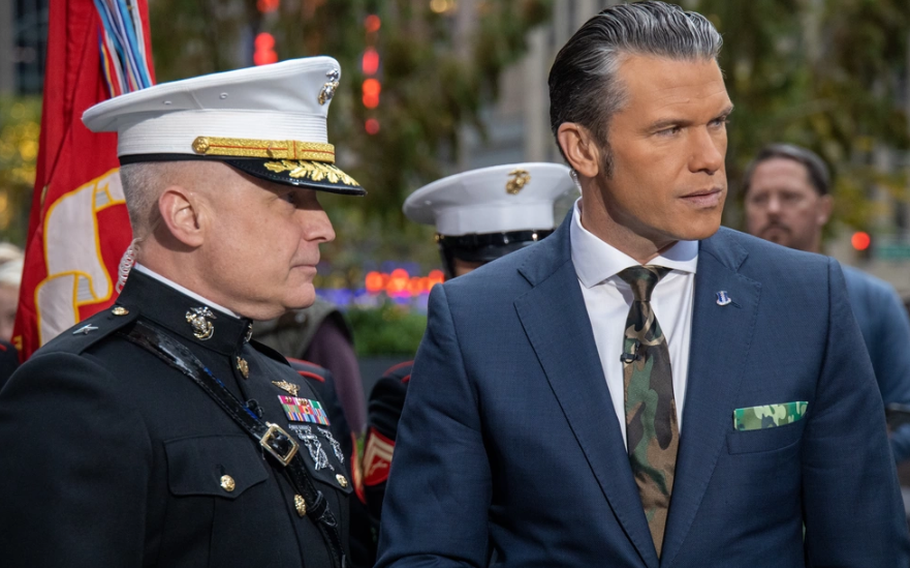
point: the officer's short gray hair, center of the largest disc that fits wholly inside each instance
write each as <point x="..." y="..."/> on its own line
<point x="143" y="183"/>
<point x="584" y="88"/>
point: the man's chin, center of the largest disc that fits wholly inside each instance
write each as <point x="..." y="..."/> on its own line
<point x="267" y="311"/>
<point x="699" y="230"/>
<point x="777" y="236"/>
<point x="303" y="297"/>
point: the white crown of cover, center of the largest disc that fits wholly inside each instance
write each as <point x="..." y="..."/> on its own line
<point x="279" y="101"/>
<point x="477" y="201"/>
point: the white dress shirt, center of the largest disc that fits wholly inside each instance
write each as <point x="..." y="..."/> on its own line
<point x="608" y="298"/>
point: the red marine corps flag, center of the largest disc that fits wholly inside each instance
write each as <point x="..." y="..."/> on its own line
<point x="79" y="229"/>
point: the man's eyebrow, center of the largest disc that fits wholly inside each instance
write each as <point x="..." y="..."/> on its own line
<point x="726" y="112"/>
<point x="667" y="122"/>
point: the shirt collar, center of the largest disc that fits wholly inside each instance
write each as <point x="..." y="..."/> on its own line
<point x="596" y="260"/>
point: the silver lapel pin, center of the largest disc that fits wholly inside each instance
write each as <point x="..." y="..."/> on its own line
<point x="723" y="299"/>
<point x="84" y="330"/>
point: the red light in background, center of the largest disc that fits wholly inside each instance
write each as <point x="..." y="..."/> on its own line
<point x="264" y="40"/>
<point x="266" y="6"/>
<point x="371" y="126"/>
<point x="372" y="23"/>
<point x="371" y="90"/>
<point x="369" y="63"/>
<point x="400" y="284"/>
<point x="372" y="87"/>
<point x="435" y="277"/>
<point x="265" y="49"/>
<point x="374" y="282"/>
<point x="860" y="240"/>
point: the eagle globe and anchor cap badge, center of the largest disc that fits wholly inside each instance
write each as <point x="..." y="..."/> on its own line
<point x="517" y="180"/>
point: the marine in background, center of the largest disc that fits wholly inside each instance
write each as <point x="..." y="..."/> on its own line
<point x="480" y="215"/>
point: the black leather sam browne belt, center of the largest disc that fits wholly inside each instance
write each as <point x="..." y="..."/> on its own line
<point x="271" y="437"/>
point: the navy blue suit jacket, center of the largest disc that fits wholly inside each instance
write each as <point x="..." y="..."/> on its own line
<point x="509" y="446"/>
<point x="883" y="321"/>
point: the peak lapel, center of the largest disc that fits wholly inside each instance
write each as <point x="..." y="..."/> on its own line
<point x="556" y="322"/>
<point x="721" y="337"/>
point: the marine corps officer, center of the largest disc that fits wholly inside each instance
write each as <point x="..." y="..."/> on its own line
<point x="158" y="432"/>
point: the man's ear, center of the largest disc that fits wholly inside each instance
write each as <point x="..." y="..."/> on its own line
<point x="181" y="212"/>
<point x="825" y="205"/>
<point x="580" y="149"/>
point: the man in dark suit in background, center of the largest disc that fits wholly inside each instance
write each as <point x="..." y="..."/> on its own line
<point x="158" y="432"/>
<point x="642" y="388"/>
<point x="788" y="201"/>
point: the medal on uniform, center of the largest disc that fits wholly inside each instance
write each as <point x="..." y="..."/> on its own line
<point x="303" y="410"/>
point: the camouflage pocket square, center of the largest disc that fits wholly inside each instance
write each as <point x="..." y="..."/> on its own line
<point x="768" y="416"/>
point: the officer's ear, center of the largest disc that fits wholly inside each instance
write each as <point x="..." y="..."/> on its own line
<point x="180" y="211"/>
<point x="580" y="148"/>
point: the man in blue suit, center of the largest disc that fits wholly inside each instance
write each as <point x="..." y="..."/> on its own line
<point x="642" y="388"/>
<point x="788" y="201"/>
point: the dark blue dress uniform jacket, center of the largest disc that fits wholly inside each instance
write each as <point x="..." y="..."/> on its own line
<point x="383" y="413"/>
<point x="9" y="361"/>
<point x="112" y="458"/>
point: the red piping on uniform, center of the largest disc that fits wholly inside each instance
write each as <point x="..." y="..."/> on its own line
<point x="406" y="378"/>
<point x="311" y="376"/>
<point x="398" y="366"/>
<point x="357" y="472"/>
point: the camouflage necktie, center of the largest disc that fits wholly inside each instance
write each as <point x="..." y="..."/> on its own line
<point x="651" y="429"/>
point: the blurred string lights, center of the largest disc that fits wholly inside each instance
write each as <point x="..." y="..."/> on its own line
<point x="400" y="284"/>
<point x="264" y="43"/>
<point x="370" y="66"/>
<point x="392" y="284"/>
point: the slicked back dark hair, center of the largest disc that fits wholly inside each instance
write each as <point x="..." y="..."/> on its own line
<point x="584" y="88"/>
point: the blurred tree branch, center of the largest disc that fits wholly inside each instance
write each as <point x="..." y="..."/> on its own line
<point x="20" y="126"/>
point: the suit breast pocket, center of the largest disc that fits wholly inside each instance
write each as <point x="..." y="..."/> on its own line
<point x="216" y="466"/>
<point x="765" y="439"/>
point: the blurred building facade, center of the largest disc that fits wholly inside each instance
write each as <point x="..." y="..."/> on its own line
<point x="23" y="46"/>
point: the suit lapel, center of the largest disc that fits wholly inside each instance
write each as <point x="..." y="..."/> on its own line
<point x="556" y="322"/>
<point x="721" y="336"/>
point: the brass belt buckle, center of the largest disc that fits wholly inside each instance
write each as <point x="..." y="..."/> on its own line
<point x="264" y="442"/>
